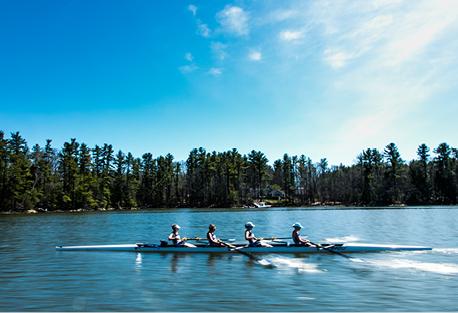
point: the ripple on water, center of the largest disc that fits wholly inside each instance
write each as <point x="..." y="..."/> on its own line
<point x="288" y="263"/>
<point x="438" y="268"/>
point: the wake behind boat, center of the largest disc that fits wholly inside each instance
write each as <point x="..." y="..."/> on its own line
<point x="276" y="248"/>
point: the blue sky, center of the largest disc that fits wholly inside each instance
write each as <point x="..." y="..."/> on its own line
<point x="320" y="78"/>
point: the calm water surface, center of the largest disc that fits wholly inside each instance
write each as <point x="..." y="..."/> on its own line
<point x="33" y="276"/>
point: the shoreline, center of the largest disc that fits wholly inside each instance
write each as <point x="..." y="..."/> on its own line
<point x="313" y="206"/>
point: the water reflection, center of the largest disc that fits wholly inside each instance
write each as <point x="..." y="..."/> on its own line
<point x="175" y="262"/>
<point x="138" y="262"/>
<point x="213" y="258"/>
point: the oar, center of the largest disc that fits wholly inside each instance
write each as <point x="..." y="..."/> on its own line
<point x="204" y="239"/>
<point x="192" y="238"/>
<point x="329" y="249"/>
<point x="273" y="238"/>
<point x="255" y="258"/>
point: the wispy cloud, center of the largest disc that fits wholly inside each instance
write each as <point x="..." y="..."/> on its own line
<point x="233" y="20"/>
<point x="219" y="50"/>
<point x="203" y="29"/>
<point x="390" y="32"/>
<point x="188" y="56"/>
<point x="215" y="71"/>
<point x="191" y="66"/>
<point x="193" y="9"/>
<point x="419" y="30"/>
<point x="255" y="55"/>
<point x="290" y="35"/>
<point x="336" y="58"/>
<point x="282" y="15"/>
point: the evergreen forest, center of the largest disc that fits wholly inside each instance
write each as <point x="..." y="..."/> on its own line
<point x="77" y="176"/>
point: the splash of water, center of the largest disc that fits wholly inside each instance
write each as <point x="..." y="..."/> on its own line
<point x="439" y="268"/>
<point x="349" y="238"/>
<point x="446" y="250"/>
<point x="266" y="263"/>
<point x="288" y="263"/>
<point x="449" y="251"/>
<point x="357" y="260"/>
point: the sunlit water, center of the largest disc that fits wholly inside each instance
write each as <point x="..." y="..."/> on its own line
<point x="33" y="276"/>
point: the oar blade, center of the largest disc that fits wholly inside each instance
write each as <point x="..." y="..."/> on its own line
<point x="253" y="257"/>
<point x="266" y="263"/>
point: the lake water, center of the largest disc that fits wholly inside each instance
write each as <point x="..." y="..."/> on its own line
<point x="33" y="276"/>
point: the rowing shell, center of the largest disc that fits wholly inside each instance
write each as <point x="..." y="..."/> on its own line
<point x="276" y="248"/>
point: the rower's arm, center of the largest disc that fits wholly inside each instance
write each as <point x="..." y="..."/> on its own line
<point x="303" y="240"/>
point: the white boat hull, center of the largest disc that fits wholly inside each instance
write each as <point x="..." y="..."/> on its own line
<point x="277" y="248"/>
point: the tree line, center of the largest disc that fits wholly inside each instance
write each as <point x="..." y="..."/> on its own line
<point x="80" y="177"/>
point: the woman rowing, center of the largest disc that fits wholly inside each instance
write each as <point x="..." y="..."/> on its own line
<point x="175" y="238"/>
<point x="211" y="237"/>
<point x="250" y="237"/>
<point x="298" y="240"/>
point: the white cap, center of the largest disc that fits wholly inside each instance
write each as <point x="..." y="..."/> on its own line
<point x="249" y="225"/>
<point x="176" y="226"/>
<point x="297" y="225"/>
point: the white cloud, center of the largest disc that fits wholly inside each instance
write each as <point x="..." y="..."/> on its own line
<point x="219" y="50"/>
<point x="233" y="20"/>
<point x="203" y="29"/>
<point x="336" y="58"/>
<point x="283" y="15"/>
<point x="255" y="55"/>
<point x="188" y="56"/>
<point x="290" y="35"/>
<point x="389" y="33"/>
<point x="215" y="71"/>
<point x="193" y="9"/>
<point x="419" y="30"/>
<point x="189" y="68"/>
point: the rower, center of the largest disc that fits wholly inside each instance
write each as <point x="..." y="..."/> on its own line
<point x="176" y="239"/>
<point x="298" y="240"/>
<point x="211" y="237"/>
<point x="250" y="237"/>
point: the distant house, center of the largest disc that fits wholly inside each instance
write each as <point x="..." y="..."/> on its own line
<point x="276" y="194"/>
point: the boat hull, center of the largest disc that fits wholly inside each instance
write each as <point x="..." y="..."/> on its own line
<point x="342" y="248"/>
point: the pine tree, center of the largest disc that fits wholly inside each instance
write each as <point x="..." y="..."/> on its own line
<point x="68" y="167"/>
<point x="132" y="172"/>
<point x="4" y="161"/>
<point x="371" y="169"/>
<point x="444" y="182"/>
<point x="393" y="174"/>
<point x="257" y="163"/>
<point x="420" y="179"/>
<point x="86" y="187"/>
<point x="20" y="180"/>
<point x="119" y="191"/>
